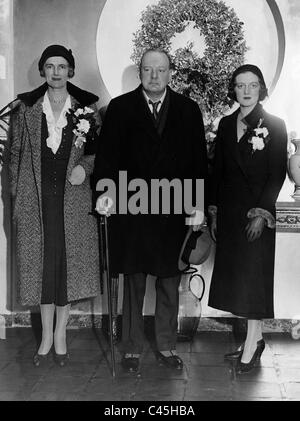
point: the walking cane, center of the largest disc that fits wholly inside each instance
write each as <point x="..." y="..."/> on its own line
<point x="104" y="253"/>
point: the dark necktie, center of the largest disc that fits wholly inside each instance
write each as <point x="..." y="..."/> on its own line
<point x="154" y="108"/>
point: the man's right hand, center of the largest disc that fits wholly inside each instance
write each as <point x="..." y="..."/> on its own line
<point x="104" y="205"/>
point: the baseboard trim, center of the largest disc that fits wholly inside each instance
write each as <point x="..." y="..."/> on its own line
<point x="88" y="320"/>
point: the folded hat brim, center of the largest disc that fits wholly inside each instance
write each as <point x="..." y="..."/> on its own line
<point x="200" y="253"/>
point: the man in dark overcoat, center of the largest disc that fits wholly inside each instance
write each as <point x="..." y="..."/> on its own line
<point x="150" y="133"/>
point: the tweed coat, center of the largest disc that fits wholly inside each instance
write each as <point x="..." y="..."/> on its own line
<point x="81" y="238"/>
<point x="130" y="142"/>
<point x="243" y="181"/>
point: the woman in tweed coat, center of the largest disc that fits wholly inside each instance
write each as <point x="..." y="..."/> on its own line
<point x="57" y="244"/>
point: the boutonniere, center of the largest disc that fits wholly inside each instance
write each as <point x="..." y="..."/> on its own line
<point x="85" y="124"/>
<point x="260" y="137"/>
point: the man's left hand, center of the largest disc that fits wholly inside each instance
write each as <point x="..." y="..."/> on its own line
<point x="203" y="224"/>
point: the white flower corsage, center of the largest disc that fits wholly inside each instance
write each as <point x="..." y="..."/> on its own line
<point x="85" y="124"/>
<point x="260" y="137"/>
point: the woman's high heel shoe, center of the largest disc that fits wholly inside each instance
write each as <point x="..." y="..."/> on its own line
<point x="233" y="356"/>
<point x="246" y="367"/>
<point x="40" y="359"/>
<point x="61" y="359"/>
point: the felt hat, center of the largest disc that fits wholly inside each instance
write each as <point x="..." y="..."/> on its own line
<point x="57" y="51"/>
<point x="195" y="248"/>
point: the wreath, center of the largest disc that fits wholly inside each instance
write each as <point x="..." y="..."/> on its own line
<point x="204" y="79"/>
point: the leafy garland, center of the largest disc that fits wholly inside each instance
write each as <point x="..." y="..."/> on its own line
<point x="204" y="79"/>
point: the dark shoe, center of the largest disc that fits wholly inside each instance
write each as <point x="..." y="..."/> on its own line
<point x="172" y="361"/>
<point x="234" y="356"/>
<point x="130" y="364"/>
<point x="40" y="359"/>
<point x="246" y="367"/>
<point x="61" y="359"/>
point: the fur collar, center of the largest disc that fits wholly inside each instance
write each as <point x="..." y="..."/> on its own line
<point x="84" y="98"/>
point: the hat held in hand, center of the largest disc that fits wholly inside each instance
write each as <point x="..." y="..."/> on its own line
<point x="195" y="249"/>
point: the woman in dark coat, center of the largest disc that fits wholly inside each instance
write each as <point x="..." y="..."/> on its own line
<point x="50" y="165"/>
<point x="249" y="170"/>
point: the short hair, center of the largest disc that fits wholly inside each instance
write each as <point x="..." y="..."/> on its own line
<point x="263" y="91"/>
<point x="71" y="72"/>
<point x="156" y="50"/>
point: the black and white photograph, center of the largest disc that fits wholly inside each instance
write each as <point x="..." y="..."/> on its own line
<point x="150" y="203"/>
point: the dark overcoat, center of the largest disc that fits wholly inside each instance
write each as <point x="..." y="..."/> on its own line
<point x="81" y="238"/>
<point x="243" y="275"/>
<point x="130" y="142"/>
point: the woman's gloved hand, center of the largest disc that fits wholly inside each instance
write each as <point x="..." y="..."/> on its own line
<point x="255" y="227"/>
<point x="77" y="175"/>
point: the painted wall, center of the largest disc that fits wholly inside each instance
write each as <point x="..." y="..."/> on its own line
<point x="95" y="33"/>
<point x="6" y="89"/>
<point x="73" y="23"/>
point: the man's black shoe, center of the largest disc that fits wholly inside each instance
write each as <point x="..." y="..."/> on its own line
<point x="130" y="364"/>
<point x="172" y="361"/>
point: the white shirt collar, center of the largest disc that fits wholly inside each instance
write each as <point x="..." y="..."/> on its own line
<point x="161" y="99"/>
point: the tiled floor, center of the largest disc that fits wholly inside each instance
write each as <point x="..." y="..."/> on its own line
<point x="205" y="376"/>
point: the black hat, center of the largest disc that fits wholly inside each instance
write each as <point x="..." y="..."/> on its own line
<point x="249" y="68"/>
<point x="57" y="51"/>
<point x="243" y="69"/>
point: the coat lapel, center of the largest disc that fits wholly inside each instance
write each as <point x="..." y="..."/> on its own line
<point x="251" y="121"/>
<point x="157" y="147"/>
<point x="233" y="139"/>
<point x="167" y="145"/>
<point x="33" y="119"/>
<point x="75" y="152"/>
<point x="143" y="115"/>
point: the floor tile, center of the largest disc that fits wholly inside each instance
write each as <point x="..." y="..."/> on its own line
<point x="87" y="344"/>
<point x="155" y="371"/>
<point x="14" y="396"/>
<point x="205" y="377"/>
<point x="25" y="369"/>
<point x="74" y="369"/>
<point x="251" y="389"/>
<point x="292" y="361"/>
<point x="207" y="359"/>
<point x="164" y="390"/>
<point x="209" y="373"/>
<point x="45" y="396"/>
<point x="292" y="390"/>
<point x="259" y="374"/>
<point x="289" y="374"/>
<point x="8" y="353"/>
<point x="3" y="365"/>
<point x="110" y="389"/>
<point x="283" y="344"/>
<point x="61" y="383"/>
<point x="18" y="383"/>
<point x="208" y="390"/>
<point x="212" y="347"/>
